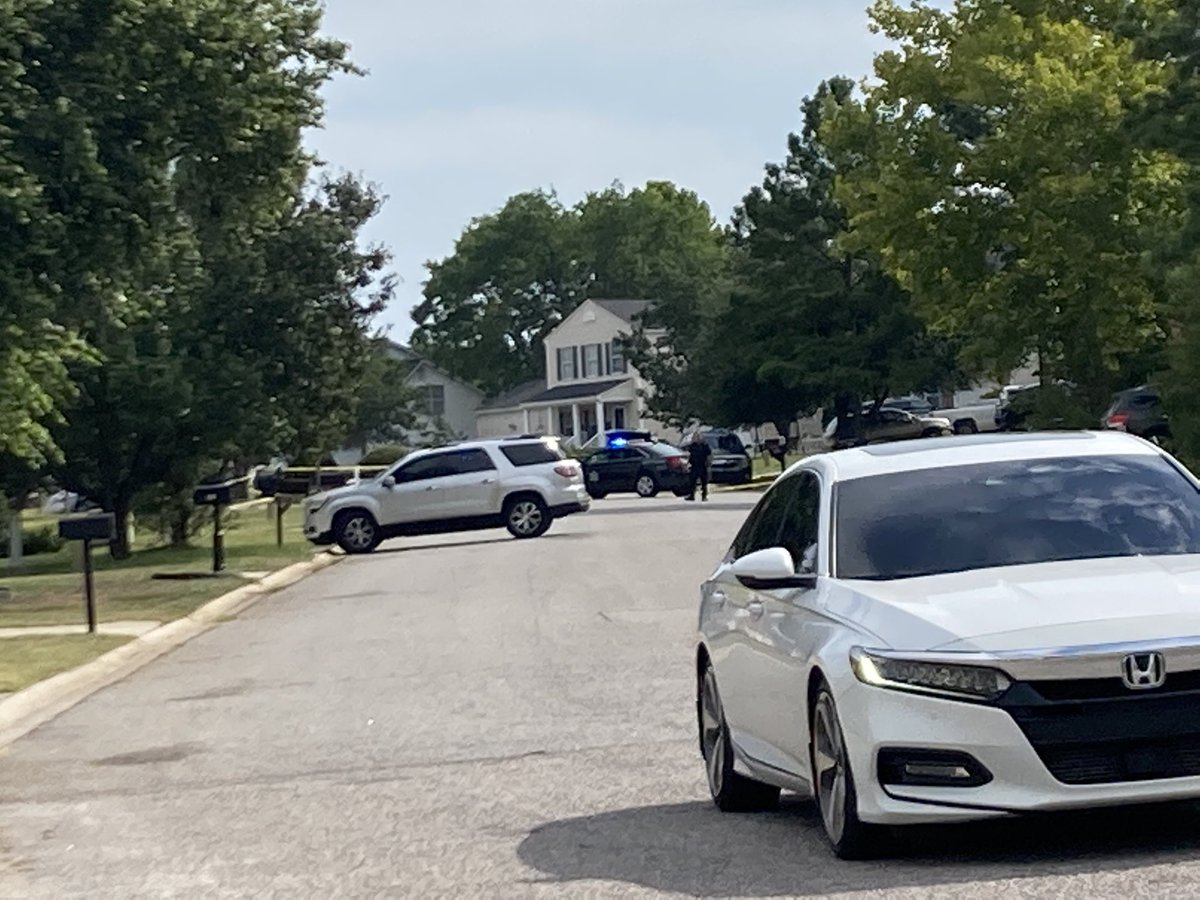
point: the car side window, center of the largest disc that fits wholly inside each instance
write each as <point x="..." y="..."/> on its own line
<point x="425" y="468"/>
<point x="762" y="529"/>
<point x="802" y="523"/>
<point x="467" y="461"/>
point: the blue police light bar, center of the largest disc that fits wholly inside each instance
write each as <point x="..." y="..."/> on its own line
<point x="618" y="442"/>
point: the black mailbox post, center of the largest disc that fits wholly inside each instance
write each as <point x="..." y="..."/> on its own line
<point x="101" y="527"/>
<point x="218" y="495"/>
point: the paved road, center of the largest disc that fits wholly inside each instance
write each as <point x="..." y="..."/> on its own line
<point x="477" y="717"/>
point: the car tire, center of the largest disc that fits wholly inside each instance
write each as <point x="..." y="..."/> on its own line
<point x="646" y="485"/>
<point x="356" y="531"/>
<point x="526" y="516"/>
<point x="730" y="791"/>
<point x="833" y="784"/>
<point x="967" y="426"/>
<point x="932" y="433"/>
<point x="597" y="495"/>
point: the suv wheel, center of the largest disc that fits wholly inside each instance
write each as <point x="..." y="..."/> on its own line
<point x="526" y="517"/>
<point x="356" y="532"/>
<point x="646" y="485"/>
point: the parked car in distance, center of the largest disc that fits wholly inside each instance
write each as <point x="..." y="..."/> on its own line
<point x="641" y="467"/>
<point x="943" y="631"/>
<point x="519" y="484"/>
<point x="1006" y="417"/>
<point x="730" y="463"/>
<point x="885" y="425"/>
<point x="1138" y="411"/>
<point x="915" y="404"/>
<point x="971" y="419"/>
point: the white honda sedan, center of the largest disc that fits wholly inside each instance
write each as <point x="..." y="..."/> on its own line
<point x="958" y="629"/>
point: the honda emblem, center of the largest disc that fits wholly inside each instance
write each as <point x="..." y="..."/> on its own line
<point x="1143" y="671"/>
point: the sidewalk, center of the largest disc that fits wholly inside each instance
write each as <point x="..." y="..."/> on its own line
<point x="130" y="628"/>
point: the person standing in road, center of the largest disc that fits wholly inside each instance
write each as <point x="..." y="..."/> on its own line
<point x="699" y="458"/>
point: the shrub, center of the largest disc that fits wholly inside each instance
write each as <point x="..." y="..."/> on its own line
<point x="37" y="540"/>
<point x="384" y="455"/>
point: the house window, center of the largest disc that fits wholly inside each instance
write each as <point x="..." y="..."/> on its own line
<point x="566" y="363"/>
<point x="591" y="361"/>
<point x="433" y="399"/>
<point x="616" y="359"/>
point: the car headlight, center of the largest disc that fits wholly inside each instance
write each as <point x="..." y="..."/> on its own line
<point x="942" y="679"/>
<point x="316" y="504"/>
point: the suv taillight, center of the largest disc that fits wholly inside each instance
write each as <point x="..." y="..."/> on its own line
<point x="567" y="470"/>
<point x="1117" y="421"/>
<point x="677" y="463"/>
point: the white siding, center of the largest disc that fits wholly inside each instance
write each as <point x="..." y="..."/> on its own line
<point x="461" y="400"/>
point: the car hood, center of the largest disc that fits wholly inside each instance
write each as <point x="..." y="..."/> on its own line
<point x="354" y="488"/>
<point x="1049" y="605"/>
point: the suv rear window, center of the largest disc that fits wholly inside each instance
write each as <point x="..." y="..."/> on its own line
<point x="534" y="453"/>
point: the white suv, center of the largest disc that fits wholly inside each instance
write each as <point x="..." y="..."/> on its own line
<point x="521" y="484"/>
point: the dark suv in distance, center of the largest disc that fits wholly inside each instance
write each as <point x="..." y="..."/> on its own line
<point x="1139" y="411"/>
<point x="640" y="467"/>
<point x="730" y="463"/>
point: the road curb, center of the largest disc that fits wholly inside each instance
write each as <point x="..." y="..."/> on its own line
<point x="40" y="702"/>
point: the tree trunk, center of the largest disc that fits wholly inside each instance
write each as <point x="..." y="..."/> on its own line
<point x="16" y="542"/>
<point x="181" y="525"/>
<point x="119" y="547"/>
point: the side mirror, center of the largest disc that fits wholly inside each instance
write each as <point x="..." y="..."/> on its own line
<point x="389" y="482"/>
<point x="770" y="569"/>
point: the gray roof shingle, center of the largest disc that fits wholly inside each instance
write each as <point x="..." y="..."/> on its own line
<point x="625" y="309"/>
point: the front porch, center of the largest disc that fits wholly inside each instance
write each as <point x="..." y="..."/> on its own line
<point x="585" y="412"/>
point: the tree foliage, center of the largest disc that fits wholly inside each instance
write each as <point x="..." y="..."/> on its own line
<point x="512" y="277"/>
<point x="182" y="287"/>
<point x="808" y="326"/>
<point x="516" y="274"/>
<point x="991" y="168"/>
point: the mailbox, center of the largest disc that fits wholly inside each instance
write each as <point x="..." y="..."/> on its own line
<point x="96" y="527"/>
<point x="100" y="527"/>
<point x="220" y="494"/>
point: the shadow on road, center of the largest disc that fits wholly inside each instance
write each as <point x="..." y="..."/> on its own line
<point x="390" y="547"/>
<point x="652" y="506"/>
<point x="692" y="849"/>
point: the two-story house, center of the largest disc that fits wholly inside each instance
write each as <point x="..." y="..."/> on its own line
<point x="589" y="387"/>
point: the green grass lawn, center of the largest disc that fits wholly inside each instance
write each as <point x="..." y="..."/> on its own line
<point x="49" y="589"/>
<point x="762" y="466"/>
<point x="26" y="660"/>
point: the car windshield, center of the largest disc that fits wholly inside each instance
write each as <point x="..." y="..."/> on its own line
<point x="959" y="518"/>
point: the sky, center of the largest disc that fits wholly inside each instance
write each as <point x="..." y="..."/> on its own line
<point x="468" y="102"/>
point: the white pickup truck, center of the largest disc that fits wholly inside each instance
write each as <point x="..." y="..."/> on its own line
<point x="970" y="419"/>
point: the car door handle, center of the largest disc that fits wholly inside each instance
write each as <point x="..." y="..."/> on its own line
<point x="430" y="488"/>
<point x="755" y="609"/>
<point x="488" y="481"/>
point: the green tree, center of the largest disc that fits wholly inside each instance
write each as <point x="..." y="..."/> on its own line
<point x="658" y="243"/>
<point x="512" y="277"/>
<point x="1170" y="122"/>
<point x="991" y="168"/>
<point x="516" y="274"/>
<point x="154" y="205"/>
<point x="808" y="326"/>
<point x="385" y="407"/>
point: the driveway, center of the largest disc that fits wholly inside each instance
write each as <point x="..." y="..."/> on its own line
<point x="479" y="717"/>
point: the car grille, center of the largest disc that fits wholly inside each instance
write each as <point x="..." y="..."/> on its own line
<point x="1086" y="732"/>
<point x="1128" y="761"/>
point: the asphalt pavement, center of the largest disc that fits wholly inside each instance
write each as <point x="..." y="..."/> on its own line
<point x="473" y="716"/>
